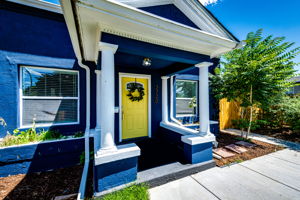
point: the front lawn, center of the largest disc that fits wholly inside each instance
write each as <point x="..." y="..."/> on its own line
<point x="134" y="192"/>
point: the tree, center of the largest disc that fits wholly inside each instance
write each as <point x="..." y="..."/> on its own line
<point x="256" y="75"/>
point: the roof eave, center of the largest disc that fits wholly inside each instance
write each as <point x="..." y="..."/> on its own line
<point x="94" y="17"/>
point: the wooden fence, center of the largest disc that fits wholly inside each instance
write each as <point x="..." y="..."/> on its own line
<point x="231" y="110"/>
<point x="228" y="112"/>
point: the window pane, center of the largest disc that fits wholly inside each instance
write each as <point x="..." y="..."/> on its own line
<point x="47" y="111"/>
<point x="183" y="106"/>
<point x="186" y="89"/>
<point x="48" y="82"/>
<point x="186" y="101"/>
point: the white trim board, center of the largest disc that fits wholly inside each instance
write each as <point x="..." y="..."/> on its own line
<point x="21" y="97"/>
<point x="44" y="5"/>
<point x="94" y="16"/>
<point x="144" y="76"/>
<point x="194" y="10"/>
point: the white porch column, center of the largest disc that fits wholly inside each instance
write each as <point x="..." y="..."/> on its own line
<point x="98" y="109"/>
<point x="107" y="95"/>
<point x="204" y="98"/>
<point x="164" y="99"/>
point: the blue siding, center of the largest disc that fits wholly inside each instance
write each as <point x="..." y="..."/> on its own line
<point x="40" y="157"/>
<point x="32" y="37"/>
<point x="171" y="12"/>
<point x="113" y="174"/>
<point x="198" y="153"/>
<point x="40" y="38"/>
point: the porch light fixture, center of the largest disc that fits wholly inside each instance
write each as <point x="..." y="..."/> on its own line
<point x="147" y="62"/>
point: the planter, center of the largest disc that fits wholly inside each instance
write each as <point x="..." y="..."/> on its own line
<point x="42" y="156"/>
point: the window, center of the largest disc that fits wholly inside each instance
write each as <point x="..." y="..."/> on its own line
<point x="186" y="97"/>
<point x="48" y="96"/>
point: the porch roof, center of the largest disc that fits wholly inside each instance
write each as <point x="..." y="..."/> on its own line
<point x="88" y="19"/>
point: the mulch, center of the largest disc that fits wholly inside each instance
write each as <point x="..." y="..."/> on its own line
<point x="260" y="149"/>
<point x="48" y="185"/>
<point x="283" y="133"/>
<point x="43" y="185"/>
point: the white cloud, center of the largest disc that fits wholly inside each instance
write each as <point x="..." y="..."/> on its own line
<point x="207" y="2"/>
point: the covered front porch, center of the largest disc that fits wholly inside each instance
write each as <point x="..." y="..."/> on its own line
<point x="131" y="88"/>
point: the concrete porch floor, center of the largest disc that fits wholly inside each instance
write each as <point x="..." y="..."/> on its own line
<point x="273" y="176"/>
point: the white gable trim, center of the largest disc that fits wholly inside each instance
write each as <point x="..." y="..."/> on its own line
<point x="44" y="5"/>
<point x="145" y="3"/>
<point x="95" y="16"/>
<point x="199" y="15"/>
<point x="193" y="9"/>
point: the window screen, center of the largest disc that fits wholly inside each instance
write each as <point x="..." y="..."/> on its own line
<point x="49" y="96"/>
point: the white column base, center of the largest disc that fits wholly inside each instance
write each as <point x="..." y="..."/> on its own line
<point x="121" y="152"/>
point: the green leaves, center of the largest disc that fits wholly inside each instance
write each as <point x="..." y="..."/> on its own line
<point x="266" y="63"/>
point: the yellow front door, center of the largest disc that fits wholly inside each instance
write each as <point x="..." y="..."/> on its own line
<point x="134" y="114"/>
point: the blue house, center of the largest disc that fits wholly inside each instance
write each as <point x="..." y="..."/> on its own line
<point x="121" y="71"/>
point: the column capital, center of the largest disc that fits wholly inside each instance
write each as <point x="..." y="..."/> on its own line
<point x="107" y="46"/>
<point x="165" y="77"/>
<point x="204" y="64"/>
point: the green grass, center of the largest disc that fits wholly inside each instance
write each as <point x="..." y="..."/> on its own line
<point x="134" y="192"/>
<point x="239" y="160"/>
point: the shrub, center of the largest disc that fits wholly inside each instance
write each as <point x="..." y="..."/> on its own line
<point x="29" y="135"/>
<point x="285" y="113"/>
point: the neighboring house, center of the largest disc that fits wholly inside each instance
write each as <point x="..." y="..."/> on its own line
<point x="71" y="68"/>
<point x="295" y="89"/>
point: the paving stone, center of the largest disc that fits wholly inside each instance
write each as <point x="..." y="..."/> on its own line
<point x="223" y="152"/>
<point x="245" y="144"/>
<point x="236" y="148"/>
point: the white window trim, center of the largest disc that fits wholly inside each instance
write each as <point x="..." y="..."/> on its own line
<point x="21" y="97"/>
<point x="186" y="115"/>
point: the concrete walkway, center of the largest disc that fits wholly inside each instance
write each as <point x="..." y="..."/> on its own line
<point x="267" y="139"/>
<point x="273" y="176"/>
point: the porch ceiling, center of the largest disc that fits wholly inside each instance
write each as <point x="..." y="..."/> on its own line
<point x="135" y="61"/>
<point x="87" y="19"/>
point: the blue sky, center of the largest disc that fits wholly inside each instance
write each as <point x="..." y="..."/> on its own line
<point x="276" y="17"/>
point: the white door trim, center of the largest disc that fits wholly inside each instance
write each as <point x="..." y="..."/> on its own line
<point x="130" y="75"/>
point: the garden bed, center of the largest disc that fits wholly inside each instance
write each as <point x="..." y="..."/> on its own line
<point x="283" y="133"/>
<point x="42" y="156"/>
<point x="43" y="185"/>
<point x="260" y="149"/>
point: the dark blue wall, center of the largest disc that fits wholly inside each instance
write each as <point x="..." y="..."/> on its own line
<point x="171" y="12"/>
<point x="41" y="157"/>
<point x="32" y="37"/>
<point x="135" y="50"/>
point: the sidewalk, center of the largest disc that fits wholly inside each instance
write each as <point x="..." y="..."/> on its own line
<point x="273" y="176"/>
<point x="267" y="139"/>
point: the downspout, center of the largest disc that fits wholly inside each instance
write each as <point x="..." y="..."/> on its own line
<point x="82" y="186"/>
<point x="173" y="119"/>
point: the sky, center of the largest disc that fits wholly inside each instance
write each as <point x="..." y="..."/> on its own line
<point x="275" y="17"/>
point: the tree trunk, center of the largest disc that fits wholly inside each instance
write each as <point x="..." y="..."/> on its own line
<point x="251" y="113"/>
<point x="242" y="117"/>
